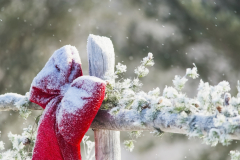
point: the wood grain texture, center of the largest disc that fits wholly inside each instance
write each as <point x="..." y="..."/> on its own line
<point x="101" y="59"/>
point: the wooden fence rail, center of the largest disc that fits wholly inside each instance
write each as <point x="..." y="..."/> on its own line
<point x="165" y="121"/>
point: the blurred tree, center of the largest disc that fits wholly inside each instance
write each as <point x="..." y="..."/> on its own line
<point x="25" y="31"/>
<point x="196" y="22"/>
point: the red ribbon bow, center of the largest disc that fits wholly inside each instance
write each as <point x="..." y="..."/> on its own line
<point x="71" y="101"/>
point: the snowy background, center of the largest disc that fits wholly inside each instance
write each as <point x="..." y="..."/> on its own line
<point x="177" y="32"/>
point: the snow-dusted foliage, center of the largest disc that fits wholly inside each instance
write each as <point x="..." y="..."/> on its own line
<point x="22" y="105"/>
<point x="235" y="155"/>
<point x="215" y="101"/>
<point x="2" y="145"/>
<point x="129" y="145"/>
<point x="120" y="68"/>
<point x="88" y="148"/>
<point x="22" y="145"/>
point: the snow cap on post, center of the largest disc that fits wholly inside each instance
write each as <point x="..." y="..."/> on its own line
<point x="102" y="65"/>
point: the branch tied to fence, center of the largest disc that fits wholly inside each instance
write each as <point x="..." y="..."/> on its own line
<point x="107" y="126"/>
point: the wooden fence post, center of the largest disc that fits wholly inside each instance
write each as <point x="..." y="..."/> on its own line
<point x="101" y="60"/>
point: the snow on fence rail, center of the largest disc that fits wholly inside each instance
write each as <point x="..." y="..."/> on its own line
<point x="166" y="122"/>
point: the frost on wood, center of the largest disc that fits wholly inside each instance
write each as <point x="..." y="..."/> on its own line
<point x="168" y="122"/>
<point x="127" y="120"/>
<point x="100" y="56"/>
<point x="9" y="102"/>
<point x="101" y="59"/>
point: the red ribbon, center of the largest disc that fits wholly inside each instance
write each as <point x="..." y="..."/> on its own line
<point x="71" y="101"/>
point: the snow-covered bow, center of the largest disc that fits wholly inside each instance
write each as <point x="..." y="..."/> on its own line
<point x="71" y="101"/>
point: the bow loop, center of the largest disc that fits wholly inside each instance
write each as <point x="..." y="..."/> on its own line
<point x="53" y="80"/>
<point x="79" y="105"/>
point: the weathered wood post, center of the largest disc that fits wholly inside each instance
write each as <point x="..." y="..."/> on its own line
<point x="101" y="60"/>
